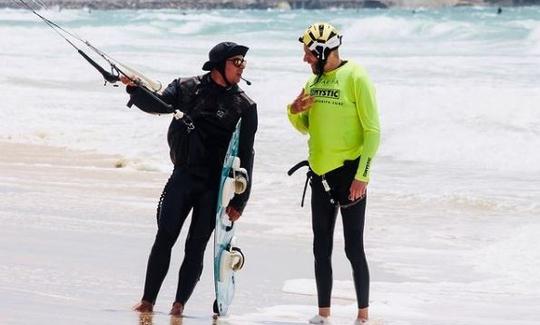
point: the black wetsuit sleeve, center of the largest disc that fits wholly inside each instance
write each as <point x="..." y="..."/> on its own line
<point x="148" y="103"/>
<point x="246" y="154"/>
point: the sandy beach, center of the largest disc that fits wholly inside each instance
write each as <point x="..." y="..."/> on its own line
<point x="452" y="225"/>
<point x="75" y="236"/>
<point x="76" y="231"/>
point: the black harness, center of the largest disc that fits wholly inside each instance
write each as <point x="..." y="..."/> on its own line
<point x="336" y="183"/>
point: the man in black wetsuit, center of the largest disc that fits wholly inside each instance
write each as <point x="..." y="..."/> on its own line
<point x="214" y="104"/>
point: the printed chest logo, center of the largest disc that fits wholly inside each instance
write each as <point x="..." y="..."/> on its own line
<point x="221" y="111"/>
<point x="326" y="93"/>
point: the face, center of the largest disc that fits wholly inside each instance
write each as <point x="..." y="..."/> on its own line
<point x="310" y="59"/>
<point x="234" y="67"/>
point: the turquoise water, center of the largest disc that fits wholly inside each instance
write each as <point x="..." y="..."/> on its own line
<point x="457" y="87"/>
<point x="454" y="196"/>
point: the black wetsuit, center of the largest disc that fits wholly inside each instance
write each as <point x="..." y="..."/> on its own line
<point x="197" y="159"/>
<point x="324" y="214"/>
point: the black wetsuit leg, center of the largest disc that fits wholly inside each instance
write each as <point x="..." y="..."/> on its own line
<point x="173" y="209"/>
<point x="353" y="229"/>
<point x="202" y="224"/>
<point x="323" y="224"/>
<point x="323" y="215"/>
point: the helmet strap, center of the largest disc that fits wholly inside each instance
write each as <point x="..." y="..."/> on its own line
<point x="322" y="58"/>
<point x="320" y="67"/>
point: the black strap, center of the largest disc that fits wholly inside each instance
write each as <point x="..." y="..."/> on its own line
<point x="309" y="174"/>
<point x="297" y="167"/>
<point x="308" y="177"/>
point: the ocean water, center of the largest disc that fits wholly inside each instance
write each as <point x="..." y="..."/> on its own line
<point x="454" y="195"/>
<point x="458" y="90"/>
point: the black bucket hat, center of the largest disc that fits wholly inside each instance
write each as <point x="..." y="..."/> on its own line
<point x="222" y="52"/>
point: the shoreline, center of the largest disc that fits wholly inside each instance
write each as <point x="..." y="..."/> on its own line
<point x="265" y="4"/>
<point x="66" y="169"/>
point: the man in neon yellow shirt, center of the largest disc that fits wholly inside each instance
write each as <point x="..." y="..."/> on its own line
<point x="338" y="109"/>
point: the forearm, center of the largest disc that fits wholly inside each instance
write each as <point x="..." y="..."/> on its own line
<point x="152" y="102"/>
<point x="369" y="149"/>
<point x="147" y="102"/>
<point x="239" y="201"/>
<point x="246" y="154"/>
<point x="299" y="120"/>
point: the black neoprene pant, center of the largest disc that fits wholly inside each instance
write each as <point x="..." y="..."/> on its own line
<point x="323" y="222"/>
<point x="181" y="194"/>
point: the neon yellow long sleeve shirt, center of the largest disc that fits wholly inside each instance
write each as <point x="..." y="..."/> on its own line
<point x="343" y="122"/>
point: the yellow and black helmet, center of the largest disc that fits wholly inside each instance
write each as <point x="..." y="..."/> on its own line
<point x="321" y="39"/>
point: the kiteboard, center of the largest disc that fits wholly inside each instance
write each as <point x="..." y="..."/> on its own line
<point x="228" y="258"/>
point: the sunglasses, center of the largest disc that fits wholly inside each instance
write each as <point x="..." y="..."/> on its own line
<point x="238" y="62"/>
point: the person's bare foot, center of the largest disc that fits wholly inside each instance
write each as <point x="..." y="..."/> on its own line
<point x="177" y="309"/>
<point x="324" y="312"/>
<point x="318" y="319"/>
<point x="144" y="307"/>
<point x="362" y="316"/>
<point x="146" y="318"/>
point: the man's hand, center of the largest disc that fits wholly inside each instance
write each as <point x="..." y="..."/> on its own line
<point x="232" y="213"/>
<point x="302" y="103"/>
<point x="357" y="190"/>
<point x="126" y="81"/>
